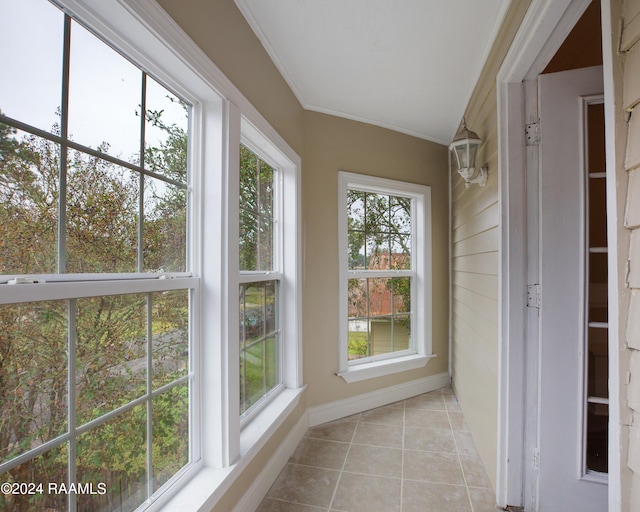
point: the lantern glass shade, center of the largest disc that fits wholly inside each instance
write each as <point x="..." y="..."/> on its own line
<point x="465" y="149"/>
<point x="465" y="153"/>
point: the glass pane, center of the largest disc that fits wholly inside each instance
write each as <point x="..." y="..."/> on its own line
<point x="377" y="213"/>
<point x="357" y="297"/>
<point x="45" y="473"/>
<point x="358" y="342"/>
<point x="253" y="387"/>
<point x="104" y="97"/>
<point x="598" y="311"/>
<point x="401" y="294"/>
<point x="170" y="444"/>
<point x="377" y="251"/>
<point x="111" y="353"/>
<point x="597" y="212"/>
<point x="400" y="252"/>
<point x="29" y="170"/>
<point x="355" y="209"/>
<point x="598" y="270"/>
<point x="33" y="375"/>
<point x="170" y="330"/>
<point x="400" y="214"/>
<point x="102" y="216"/>
<point x="166" y="130"/>
<point x="165" y="227"/>
<point x="401" y="332"/>
<point x="252" y="311"/>
<point x="114" y="454"/>
<point x="597" y="437"/>
<point x="31" y="43"/>
<point x="259" y="342"/>
<point x="598" y="373"/>
<point x="379" y="297"/>
<point x="256" y="212"/>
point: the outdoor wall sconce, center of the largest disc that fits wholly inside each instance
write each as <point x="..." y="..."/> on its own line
<point x="465" y="149"/>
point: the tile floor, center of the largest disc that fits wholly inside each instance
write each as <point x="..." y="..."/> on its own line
<point x="411" y="456"/>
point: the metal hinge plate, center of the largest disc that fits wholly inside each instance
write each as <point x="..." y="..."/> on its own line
<point x="532" y="134"/>
<point x="533" y="296"/>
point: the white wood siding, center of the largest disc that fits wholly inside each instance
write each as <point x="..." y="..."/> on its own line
<point x="631" y="102"/>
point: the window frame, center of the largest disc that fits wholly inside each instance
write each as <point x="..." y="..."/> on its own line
<point x="142" y="30"/>
<point x="419" y="352"/>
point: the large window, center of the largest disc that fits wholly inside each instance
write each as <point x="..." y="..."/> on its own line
<point x="140" y="197"/>
<point x="95" y="292"/>
<point x="385" y="276"/>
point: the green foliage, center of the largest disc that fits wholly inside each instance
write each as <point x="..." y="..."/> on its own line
<point x="100" y="235"/>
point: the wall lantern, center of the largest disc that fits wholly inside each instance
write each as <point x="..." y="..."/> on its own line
<point x="465" y="149"/>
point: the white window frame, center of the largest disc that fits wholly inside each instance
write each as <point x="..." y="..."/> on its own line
<point x="418" y="355"/>
<point x="220" y="448"/>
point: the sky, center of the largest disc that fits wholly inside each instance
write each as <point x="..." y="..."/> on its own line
<point x="105" y="88"/>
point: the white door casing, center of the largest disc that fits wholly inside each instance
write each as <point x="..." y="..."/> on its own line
<point x="561" y="484"/>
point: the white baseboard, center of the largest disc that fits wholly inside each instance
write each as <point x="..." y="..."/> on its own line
<point x="255" y="494"/>
<point x="353" y="405"/>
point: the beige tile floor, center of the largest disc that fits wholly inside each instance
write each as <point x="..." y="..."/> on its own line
<point x="411" y="456"/>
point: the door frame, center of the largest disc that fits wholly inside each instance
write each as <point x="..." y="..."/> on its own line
<point x="542" y="32"/>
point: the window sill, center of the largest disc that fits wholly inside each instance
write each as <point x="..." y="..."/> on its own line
<point x="366" y="371"/>
<point x="209" y="484"/>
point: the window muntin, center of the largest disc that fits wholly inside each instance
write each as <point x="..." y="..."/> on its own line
<point x="99" y="377"/>
<point x="260" y="337"/>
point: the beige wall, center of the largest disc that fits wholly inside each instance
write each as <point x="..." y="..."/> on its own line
<point x="333" y="144"/>
<point x="627" y="72"/>
<point x="326" y="144"/>
<point x="475" y="263"/>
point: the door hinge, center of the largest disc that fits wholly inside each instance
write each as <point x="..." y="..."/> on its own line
<point x="536" y="458"/>
<point x="533" y="296"/>
<point x="532" y="134"/>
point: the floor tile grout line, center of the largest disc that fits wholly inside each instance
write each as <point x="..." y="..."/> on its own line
<point x="344" y="463"/>
<point x="464" y="477"/>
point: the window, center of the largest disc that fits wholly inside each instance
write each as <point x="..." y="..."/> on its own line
<point x="385" y="276"/>
<point x="95" y="348"/>
<point x="259" y="281"/>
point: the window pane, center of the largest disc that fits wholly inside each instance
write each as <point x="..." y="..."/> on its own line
<point x="400" y="251"/>
<point x="380" y="297"/>
<point x="598" y="362"/>
<point x="358" y="339"/>
<point x="102" y="216"/>
<point x="165" y="226"/>
<point x="115" y="454"/>
<point x="33" y="375"/>
<point x="377" y="213"/>
<point x="597" y="437"/>
<point x="357" y="296"/>
<point x="166" y="132"/>
<point x="29" y="170"/>
<point x="170" y="413"/>
<point x="31" y="42"/>
<point x="256" y="213"/>
<point x="105" y="92"/>
<point x="400" y="214"/>
<point x="259" y="342"/>
<point x="111" y="353"/>
<point x="170" y="330"/>
<point x="50" y="467"/>
<point x="401" y="291"/>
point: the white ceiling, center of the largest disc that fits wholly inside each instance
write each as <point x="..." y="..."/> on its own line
<point x="407" y="65"/>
